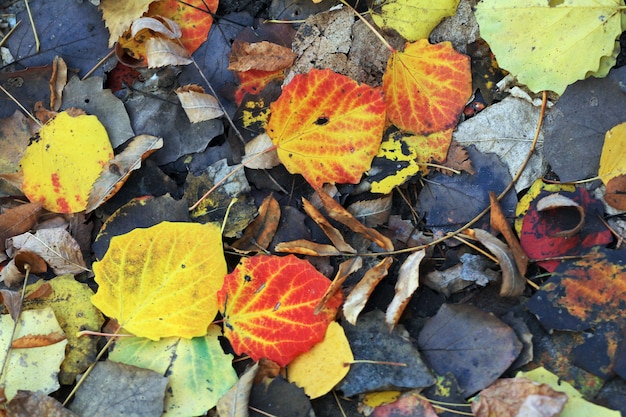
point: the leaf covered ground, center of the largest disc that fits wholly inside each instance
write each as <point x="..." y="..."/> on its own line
<point x="296" y="208"/>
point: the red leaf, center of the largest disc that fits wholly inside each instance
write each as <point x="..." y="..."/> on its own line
<point x="268" y="303"/>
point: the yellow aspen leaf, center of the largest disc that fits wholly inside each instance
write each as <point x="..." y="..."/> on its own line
<point x="547" y="46"/>
<point x="63" y="160"/>
<point x="162" y="281"/>
<point x="327" y="127"/>
<point x="413" y="19"/>
<point x="613" y="159"/>
<point x="321" y="368"/>
<point x="118" y="15"/>
<point x="426" y="87"/>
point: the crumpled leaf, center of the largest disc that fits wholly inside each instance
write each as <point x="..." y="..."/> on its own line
<point x="327" y="127"/>
<point x="117" y="170"/>
<point x="56" y="246"/>
<point x="519" y="396"/>
<point x="63" y="160"/>
<point x="426" y="87"/>
<point x="34" y="368"/>
<point x="268" y="302"/>
<point x="198" y="105"/>
<point x="525" y="37"/>
<point x="412" y="19"/>
<point x="324" y="366"/>
<point x="476" y="347"/>
<point x="191" y="365"/>
<point x="78" y="315"/>
<point x="264" y="56"/>
<point x="408" y="281"/>
<point x="161" y="281"/>
<point x="121" y="390"/>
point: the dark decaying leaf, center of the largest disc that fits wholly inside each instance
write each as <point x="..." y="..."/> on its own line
<point x="406" y="370"/>
<point x="346" y="268"/>
<point x="476" y="347"/>
<point x="278" y="397"/>
<point x="121" y="389"/>
<point x="28" y="403"/>
<point x="408" y="405"/>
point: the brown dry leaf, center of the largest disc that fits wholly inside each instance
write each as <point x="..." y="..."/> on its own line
<point x="118" y="15"/>
<point x="235" y="402"/>
<point x="12" y="301"/>
<point x="336" y="212"/>
<point x="267" y="369"/>
<point x="329" y="230"/>
<point x="29" y="403"/>
<point x="57" y="82"/>
<point x="500" y="223"/>
<point x="346" y="268"/>
<point x="260" y="153"/>
<point x="458" y="159"/>
<point x="17" y="220"/>
<point x="259" y="234"/>
<point x="615" y="194"/>
<point x="513" y="282"/>
<point x="517" y="397"/>
<point x="161" y="52"/>
<point x="35" y="341"/>
<point x="56" y="246"/>
<point x="557" y="201"/>
<point x="306" y="247"/>
<point x="355" y="301"/>
<point x="198" y="105"/>
<point x="42" y="114"/>
<point x="118" y="169"/>
<point x="372" y="212"/>
<point x="407" y="284"/>
<point x="264" y="56"/>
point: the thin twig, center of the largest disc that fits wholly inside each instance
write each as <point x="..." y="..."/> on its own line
<point x="32" y="24"/>
<point x="9" y="33"/>
<point x="98" y="64"/>
<point x="16" y="322"/>
<point x="20" y="105"/>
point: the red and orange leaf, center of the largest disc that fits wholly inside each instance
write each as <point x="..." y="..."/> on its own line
<point x="327" y="127"/>
<point x="268" y="303"/>
<point x="192" y="16"/>
<point x="426" y="87"/>
<point x="254" y="81"/>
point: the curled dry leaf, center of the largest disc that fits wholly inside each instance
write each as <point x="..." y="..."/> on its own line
<point x="372" y="212"/>
<point x="265" y="56"/>
<point x="306" y="247"/>
<point x="558" y="201"/>
<point x="261" y="153"/>
<point x="407" y="284"/>
<point x="161" y="25"/>
<point x="26" y="260"/>
<point x="329" y="230"/>
<point x="513" y="282"/>
<point x="198" y="105"/>
<point x="500" y="223"/>
<point x="346" y="268"/>
<point x="35" y="341"/>
<point x="615" y="194"/>
<point x="361" y="292"/>
<point x="162" y="52"/>
<point x="57" y="82"/>
<point x="259" y="234"/>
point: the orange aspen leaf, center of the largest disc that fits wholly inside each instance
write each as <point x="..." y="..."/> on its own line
<point x="327" y="127"/>
<point x="329" y="230"/>
<point x="268" y="302"/>
<point x="254" y="81"/>
<point x="426" y="87"/>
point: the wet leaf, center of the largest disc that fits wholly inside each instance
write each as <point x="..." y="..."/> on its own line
<point x="476" y="347"/>
<point x="191" y="365"/>
<point x="275" y="396"/>
<point x="327" y="127"/>
<point x="121" y="390"/>
<point x="116" y="171"/>
<point x="161" y="281"/>
<point x="324" y="366"/>
<point x="412" y="19"/>
<point x="525" y="36"/>
<point x="268" y="302"/>
<point x="63" y="161"/>
<point x="426" y="87"/>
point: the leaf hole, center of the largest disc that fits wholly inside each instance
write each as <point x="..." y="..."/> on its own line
<point x="321" y="121"/>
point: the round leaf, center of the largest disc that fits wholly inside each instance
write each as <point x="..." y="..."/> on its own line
<point x="327" y="127"/>
<point x="63" y="160"/>
<point x="162" y="281"/>
<point x="268" y="305"/>
<point x="426" y="87"/>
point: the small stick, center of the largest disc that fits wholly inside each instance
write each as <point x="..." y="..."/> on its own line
<point x="32" y="24"/>
<point x="9" y="33"/>
<point x="20" y="105"/>
<point x="98" y="64"/>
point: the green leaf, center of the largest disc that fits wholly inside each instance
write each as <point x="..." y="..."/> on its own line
<point x="549" y="47"/>
<point x="199" y="371"/>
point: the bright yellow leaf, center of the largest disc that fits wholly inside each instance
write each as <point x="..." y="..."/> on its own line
<point x="162" y="281"/>
<point x="549" y="47"/>
<point x="321" y="368"/>
<point x="413" y="19"/>
<point x="63" y="160"/>
<point x="613" y="158"/>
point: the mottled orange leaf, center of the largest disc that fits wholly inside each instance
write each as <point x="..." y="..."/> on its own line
<point x="327" y="127"/>
<point x="426" y="87"/>
<point x="268" y="302"/>
<point x="430" y="148"/>
<point x="253" y="81"/>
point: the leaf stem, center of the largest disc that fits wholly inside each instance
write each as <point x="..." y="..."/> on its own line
<point x="20" y="106"/>
<point x="32" y="24"/>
